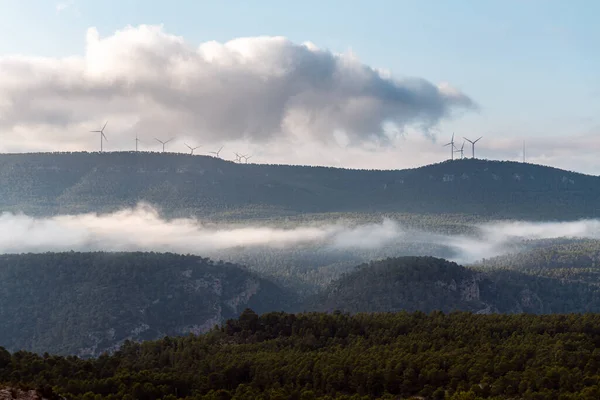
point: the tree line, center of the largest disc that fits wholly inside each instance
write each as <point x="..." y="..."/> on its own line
<point x="337" y="356"/>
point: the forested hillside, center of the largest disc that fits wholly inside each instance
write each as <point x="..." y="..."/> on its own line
<point x="87" y="303"/>
<point x="458" y="356"/>
<point x="571" y="260"/>
<point x="428" y="284"/>
<point x="181" y="185"/>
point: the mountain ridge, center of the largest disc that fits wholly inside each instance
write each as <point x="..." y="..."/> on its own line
<point x="185" y="185"/>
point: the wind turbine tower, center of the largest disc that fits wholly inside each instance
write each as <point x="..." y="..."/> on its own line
<point x="216" y="153"/>
<point x="163" y="143"/>
<point x="102" y="135"/>
<point x="473" y="145"/>
<point x="191" y="148"/>
<point x="452" y="148"/>
<point x="461" y="151"/>
<point x="136" y="142"/>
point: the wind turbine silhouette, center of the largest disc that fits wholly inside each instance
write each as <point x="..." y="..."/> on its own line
<point x="136" y="142"/>
<point x="192" y="148"/>
<point x="472" y="145"/>
<point x="452" y="148"/>
<point x="102" y="135"/>
<point x="461" y="151"/>
<point x="216" y="152"/>
<point x="163" y="143"/>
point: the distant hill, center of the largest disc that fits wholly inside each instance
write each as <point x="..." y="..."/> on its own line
<point x="86" y="303"/>
<point x="429" y="284"/>
<point x="576" y="260"/>
<point x="180" y="185"/>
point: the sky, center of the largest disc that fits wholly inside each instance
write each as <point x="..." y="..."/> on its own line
<point x="378" y="84"/>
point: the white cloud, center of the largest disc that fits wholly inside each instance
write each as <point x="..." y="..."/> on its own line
<point x="63" y="6"/>
<point x="142" y="229"/>
<point x="282" y="102"/>
<point x="258" y="90"/>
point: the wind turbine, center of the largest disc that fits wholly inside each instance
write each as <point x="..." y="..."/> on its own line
<point x="102" y="135"/>
<point x="472" y="144"/>
<point x="192" y="148"/>
<point x="238" y="157"/>
<point x="461" y="151"/>
<point x="163" y="143"/>
<point x="136" y="142"/>
<point x="452" y="148"/>
<point x="247" y="158"/>
<point x="216" y="152"/>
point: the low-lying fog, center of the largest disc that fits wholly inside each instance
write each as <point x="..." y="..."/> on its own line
<point x="142" y="229"/>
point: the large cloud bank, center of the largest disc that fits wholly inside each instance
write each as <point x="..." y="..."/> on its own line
<point x="145" y="80"/>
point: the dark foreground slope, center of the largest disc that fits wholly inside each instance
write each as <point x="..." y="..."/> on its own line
<point x="46" y="184"/>
<point x="319" y="356"/>
<point x="86" y="303"/>
<point x="428" y="284"/>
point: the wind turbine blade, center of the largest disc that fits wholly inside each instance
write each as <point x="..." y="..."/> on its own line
<point x="478" y="139"/>
<point x="158" y="140"/>
<point x="467" y="140"/>
<point x="104" y="136"/>
<point x="188" y="146"/>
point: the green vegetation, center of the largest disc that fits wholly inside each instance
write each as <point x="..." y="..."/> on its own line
<point x="569" y="260"/>
<point x="428" y="284"/>
<point x="183" y="185"/>
<point x="337" y="356"/>
<point x="87" y="303"/>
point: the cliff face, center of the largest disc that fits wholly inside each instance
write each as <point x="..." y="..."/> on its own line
<point x="89" y="303"/>
<point x="213" y="305"/>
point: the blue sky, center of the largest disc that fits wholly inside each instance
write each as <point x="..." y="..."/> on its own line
<point x="532" y="66"/>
